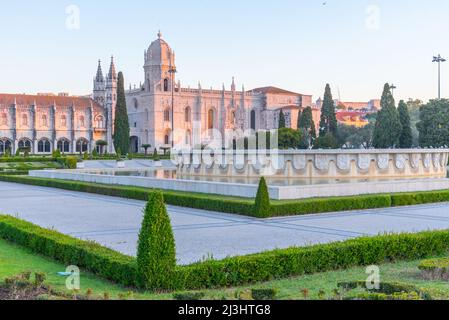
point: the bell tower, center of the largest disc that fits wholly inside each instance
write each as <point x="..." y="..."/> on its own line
<point x="159" y="66"/>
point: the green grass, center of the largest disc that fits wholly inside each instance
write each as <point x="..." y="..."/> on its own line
<point x="14" y="260"/>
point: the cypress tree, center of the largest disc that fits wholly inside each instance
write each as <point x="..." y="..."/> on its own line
<point x="328" y="123"/>
<point x="406" y="138"/>
<point x="281" y="120"/>
<point x="121" y="124"/>
<point x="299" y="120"/>
<point x="262" y="204"/>
<point x="156" y="251"/>
<point x="307" y="127"/>
<point x="388" y="126"/>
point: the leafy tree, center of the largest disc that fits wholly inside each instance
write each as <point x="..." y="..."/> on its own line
<point x="406" y="137"/>
<point x="306" y="125"/>
<point x="326" y="142"/>
<point x="361" y="138"/>
<point x="414" y="106"/>
<point x="262" y="205"/>
<point x="434" y="124"/>
<point x="281" y="120"/>
<point x="156" y="251"/>
<point x="121" y="133"/>
<point x="328" y="121"/>
<point x="388" y="125"/>
<point x="146" y="147"/>
<point x="289" y="138"/>
<point x="299" y="120"/>
<point x="344" y="134"/>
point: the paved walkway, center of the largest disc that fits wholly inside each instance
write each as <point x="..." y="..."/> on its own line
<point x="115" y="223"/>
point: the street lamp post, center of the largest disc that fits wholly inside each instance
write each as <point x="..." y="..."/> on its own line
<point x="172" y="72"/>
<point x="392" y="88"/>
<point x="439" y="59"/>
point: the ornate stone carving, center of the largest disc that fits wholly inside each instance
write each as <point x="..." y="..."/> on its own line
<point x="400" y="161"/>
<point x="383" y="161"/>
<point x="427" y="160"/>
<point x="344" y="162"/>
<point x="322" y="162"/>
<point x="364" y="162"/>
<point x="299" y="162"/>
<point x="414" y="160"/>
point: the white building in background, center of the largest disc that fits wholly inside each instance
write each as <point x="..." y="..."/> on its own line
<point x="198" y="110"/>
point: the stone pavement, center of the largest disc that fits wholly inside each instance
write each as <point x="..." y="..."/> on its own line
<point x="115" y="223"/>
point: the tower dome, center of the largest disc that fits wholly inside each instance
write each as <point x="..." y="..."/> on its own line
<point x="159" y="53"/>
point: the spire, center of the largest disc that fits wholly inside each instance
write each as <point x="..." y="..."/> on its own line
<point x="99" y="77"/>
<point x="112" y="74"/>
<point x="233" y="84"/>
<point x="159" y="34"/>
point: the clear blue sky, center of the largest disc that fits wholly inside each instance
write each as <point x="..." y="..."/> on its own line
<point x="294" y="44"/>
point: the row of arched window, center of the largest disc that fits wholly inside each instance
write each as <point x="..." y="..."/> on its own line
<point x="99" y="121"/>
<point x="45" y="146"/>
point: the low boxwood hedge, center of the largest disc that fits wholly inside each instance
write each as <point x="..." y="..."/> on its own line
<point x="99" y="260"/>
<point x="232" y="271"/>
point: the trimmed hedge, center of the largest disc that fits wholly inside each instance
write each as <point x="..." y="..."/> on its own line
<point x="99" y="260"/>
<point x="232" y="271"/>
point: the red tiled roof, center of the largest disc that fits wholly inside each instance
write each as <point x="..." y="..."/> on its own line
<point x="47" y="100"/>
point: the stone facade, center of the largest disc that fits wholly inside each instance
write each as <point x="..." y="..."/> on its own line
<point x="197" y="111"/>
<point x="43" y="123"/>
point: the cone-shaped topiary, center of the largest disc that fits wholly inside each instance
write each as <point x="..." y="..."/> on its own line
<point x="262" y="206"/>
<point x="156" y="252"/>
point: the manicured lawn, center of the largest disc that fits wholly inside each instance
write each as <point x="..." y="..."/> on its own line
<point x="14" y="259"/>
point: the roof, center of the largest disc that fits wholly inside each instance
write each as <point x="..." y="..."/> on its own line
<point x="273" y="90"/>
<point x="47" y="100"/>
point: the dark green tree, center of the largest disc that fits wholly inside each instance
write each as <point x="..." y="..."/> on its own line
<point x="262" y="205"/>
<point x="281" y="120"/>
<point x="156" y="250"/>
<point x="328" y="123"/>
<point x="326" y="142"/>
<point x="121" y="125"/>
<point x="433" y="126"/>
<point x="388" y="125"/>
<point x="307" y="127"/>
<point x="288" y="138"/>
<point x="406" y="137"/>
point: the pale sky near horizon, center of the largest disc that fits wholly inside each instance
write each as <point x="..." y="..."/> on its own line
<point x="298" y="45"/>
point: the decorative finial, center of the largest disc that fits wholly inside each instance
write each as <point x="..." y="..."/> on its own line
<point x="159" y="34"/>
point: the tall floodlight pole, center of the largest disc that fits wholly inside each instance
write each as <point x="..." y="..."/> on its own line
<point x="439" y="59"/>
<point x="172" y="72"/>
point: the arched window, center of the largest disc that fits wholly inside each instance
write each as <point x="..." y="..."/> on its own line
<point x="167" y="115"/>
<point x="135" y="103"/>
<point x="44" y="121"/>
<point x="166" y="85"/>
<point x="82" y="145"/>
<point x="211" y="119"/>
<point x="99" y="122"/>
<point x="25" y="144"/>
<point x="63" y="121"/>
<point x="188" y="140"/>
<point x="82" y="122"/>
<point x="5" y="145"/>
<point x="24" y="119"/>
<point x="4" y="119"/>
<point x="44" y="146"/>
<point x="253" y="120"/>
<point x="167" y="137"/>
<point x="188" y="115"/>
<point x="64" y="145"/>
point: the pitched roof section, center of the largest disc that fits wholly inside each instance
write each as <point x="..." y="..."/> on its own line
<point x="273" y="90"/>
<point x="47" y="100"/>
